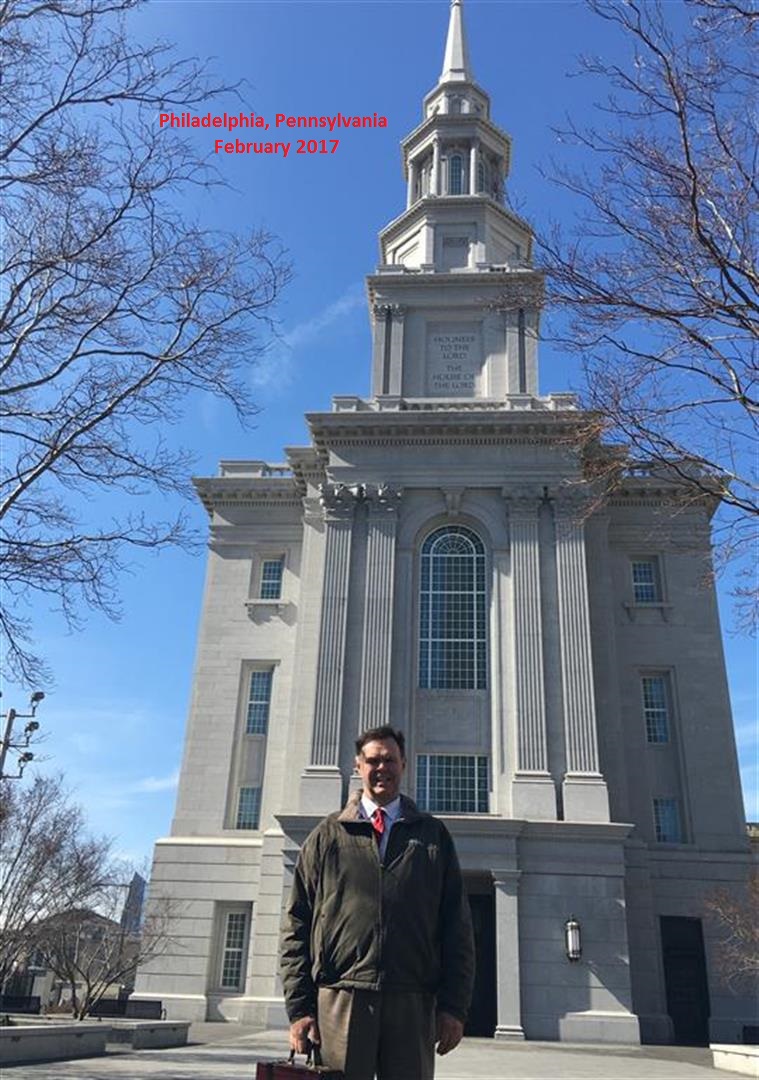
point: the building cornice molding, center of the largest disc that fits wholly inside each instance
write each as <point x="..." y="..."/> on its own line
<point x="421" y="209"/>
<point x="439" y="121"/>
<point x="439" y="429"/>
<point x="210" y="841"/>
<point x="307" y="466"/>
<point x="216" y="492"/>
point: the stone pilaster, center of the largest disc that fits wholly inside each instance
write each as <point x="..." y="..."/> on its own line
<point x="509" y="1016"/>
<point x="533" y="791"/>
<point x="382" y="504"/>
<point x="321" y="784"/>
<point x="381" y="348"/>
<point x="395" y="374"/>
<point x="585" y="794"/>
<point x="436" y="186"/>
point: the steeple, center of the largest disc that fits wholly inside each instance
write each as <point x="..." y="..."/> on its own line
<point x="456" y="60"/>
<point x="455" y="300"/>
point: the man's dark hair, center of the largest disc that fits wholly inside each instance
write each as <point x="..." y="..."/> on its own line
<point x="384" y="732"/>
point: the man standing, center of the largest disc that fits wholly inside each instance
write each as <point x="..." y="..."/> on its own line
<point x="377" y="948"/>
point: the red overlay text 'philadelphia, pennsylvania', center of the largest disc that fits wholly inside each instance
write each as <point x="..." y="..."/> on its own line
<point x="252" y="125"/>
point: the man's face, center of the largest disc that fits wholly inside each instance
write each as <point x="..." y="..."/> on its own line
<point x="381" y="766"/>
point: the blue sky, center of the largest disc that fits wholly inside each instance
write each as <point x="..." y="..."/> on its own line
<point x="115" y="719"/>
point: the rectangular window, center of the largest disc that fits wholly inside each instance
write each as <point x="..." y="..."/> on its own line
<point x="656" y="707"/>
<point x="667" y="821"/>
<point x="248" y="808"/>
<point x="271" y="578"/>
<point x="259" y="699"/>
<point x="452" y="783"/>
<point x="646" y="581"/>
<point x="233" y="954"/>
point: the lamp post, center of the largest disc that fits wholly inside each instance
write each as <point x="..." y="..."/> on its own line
<point x="22" y="745"/>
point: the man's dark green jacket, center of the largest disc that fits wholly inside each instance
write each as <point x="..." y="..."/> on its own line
<point x="353" y="922"/>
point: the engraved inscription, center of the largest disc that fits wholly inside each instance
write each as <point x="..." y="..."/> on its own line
<point x="454" y="360"/>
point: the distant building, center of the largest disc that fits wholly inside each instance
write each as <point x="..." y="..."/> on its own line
<point x="432" y="559"/>
<point x="131" y="916"/>
<point x="90" y="948"/>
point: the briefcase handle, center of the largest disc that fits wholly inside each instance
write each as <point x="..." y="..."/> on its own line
<point x="313" y="1055"/>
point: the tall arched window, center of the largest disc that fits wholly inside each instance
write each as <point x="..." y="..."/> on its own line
<point x="452" y="611"/>
<point x="455" y="175"/>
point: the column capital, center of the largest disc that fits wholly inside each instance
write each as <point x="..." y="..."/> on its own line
<point x="382" y="498"/>
<point x="381" y="311"/>
<point x="506" y="878"/>
<point x="398" y="311"/>
<point x="571" y="501"/>
<point x="338" y="501"/>
<point x="523" y="498"/>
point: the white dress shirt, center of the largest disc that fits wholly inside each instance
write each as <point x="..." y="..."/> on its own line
<point x="392" y="813"/>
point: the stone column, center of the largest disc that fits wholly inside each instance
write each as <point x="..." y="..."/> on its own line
<point x="321" y="783"/>
<point x="411" y="188"/>
<point x="395" y="375"/>
<point x="533" y="791"/>
<point x="474" y="159"/>
<point x="508" y="975"/>
<point x="382" y="503"/>
<point x="585" y="794"/>
<point x="436" y="186"/>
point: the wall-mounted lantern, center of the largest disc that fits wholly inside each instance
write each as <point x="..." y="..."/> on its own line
<point x="572" y="938"/>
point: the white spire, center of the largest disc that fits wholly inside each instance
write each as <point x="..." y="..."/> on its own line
<point x="456" y="60"/>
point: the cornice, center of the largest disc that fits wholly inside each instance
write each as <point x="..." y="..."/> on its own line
<point x="220" y="491"/>
<point x="427" y="279"/>
<point x="444" y="428"/>
<point x="460" y="202"/>
<point x="297" y="826"/>
<point x="445" y="120"/>
<point x="307" y="467"/>
<point x="650" y="493"/>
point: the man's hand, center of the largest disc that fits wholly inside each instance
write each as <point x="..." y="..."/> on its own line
<point x="303" y="1032"/>
<point x="450" y="1032"/>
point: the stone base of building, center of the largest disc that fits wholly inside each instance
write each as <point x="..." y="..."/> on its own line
<point x="656" y="1030"/>
<point x="190" y="1007"/>
<point x="600" y="1027"/>
<point x="509" y="1033"/>
<point x="734" y="1029"/>
<point x="585" y="1027"/>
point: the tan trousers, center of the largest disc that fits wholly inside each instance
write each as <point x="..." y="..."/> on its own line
<point x="390" y="1035"/>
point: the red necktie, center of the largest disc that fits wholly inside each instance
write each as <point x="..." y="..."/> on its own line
<point x="378" y="824"/>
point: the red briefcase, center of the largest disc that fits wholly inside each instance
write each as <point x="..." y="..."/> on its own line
<point x="291" y="1070"/>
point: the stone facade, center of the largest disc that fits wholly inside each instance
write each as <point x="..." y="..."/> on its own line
<point x="595" y="741"/>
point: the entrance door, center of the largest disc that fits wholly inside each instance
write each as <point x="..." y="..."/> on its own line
<point x="685" y="979"/>
<point x="483" y="1013"/>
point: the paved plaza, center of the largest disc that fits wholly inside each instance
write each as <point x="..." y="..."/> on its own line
<point x="217" y="1052"/>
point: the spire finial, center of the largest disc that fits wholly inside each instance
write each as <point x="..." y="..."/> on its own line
<point x="456" y="60"/>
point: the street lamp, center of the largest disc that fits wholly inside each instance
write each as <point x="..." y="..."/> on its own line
<point x="25" y="755"/>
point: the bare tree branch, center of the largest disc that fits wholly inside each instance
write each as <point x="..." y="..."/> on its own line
<point x="734" y="913"/>
<point x="660" y="277"/>
<point x="115" y="310"/>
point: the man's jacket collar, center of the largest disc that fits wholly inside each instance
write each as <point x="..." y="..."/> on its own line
<point x="351" y="811"/>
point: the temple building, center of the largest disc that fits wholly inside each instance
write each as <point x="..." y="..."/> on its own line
<point x="436" y="559"/>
